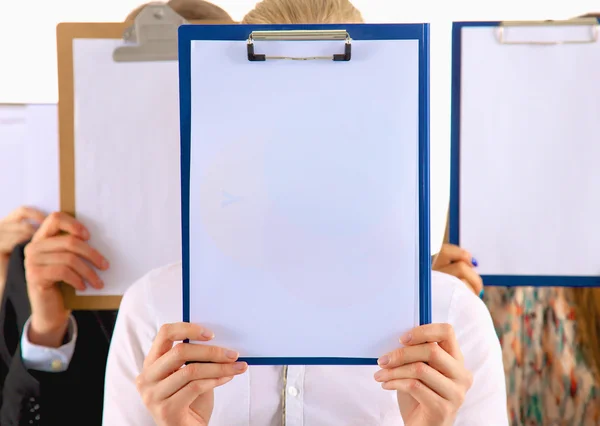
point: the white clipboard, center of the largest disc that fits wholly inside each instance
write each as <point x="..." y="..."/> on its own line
<point x="525" y="173"/>
<point x="28" y="157"/>
<point x="305" y="188"/>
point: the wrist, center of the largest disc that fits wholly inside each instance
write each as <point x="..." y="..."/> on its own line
<point x="48" y="334"/>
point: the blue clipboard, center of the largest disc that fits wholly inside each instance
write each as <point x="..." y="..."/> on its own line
<point x="418" y="32"/>
<point x="454" y="212"/>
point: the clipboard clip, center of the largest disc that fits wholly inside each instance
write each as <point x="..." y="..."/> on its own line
<point x="300" y="35"/>
<point x="592" y="23"/>
<point x="152" y="37"/>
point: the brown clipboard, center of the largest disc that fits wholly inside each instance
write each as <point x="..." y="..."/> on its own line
<point x="65" y="34"/>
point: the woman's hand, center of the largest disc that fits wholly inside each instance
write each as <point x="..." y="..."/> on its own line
<point x="58" y="252"/>
<point x="183" y="395"/>
<point x="428" y="374"/>
<point x="458" y="262"/>
<point x="18" y="227"/>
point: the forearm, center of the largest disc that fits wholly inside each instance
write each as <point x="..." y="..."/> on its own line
<point x="49" y="318"/>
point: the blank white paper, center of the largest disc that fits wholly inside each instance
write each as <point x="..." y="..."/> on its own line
<point x="529" y="152"/>
<point x="29" y="157"/>
<point x="127" y="180"/>
<point x="303" y="198"/>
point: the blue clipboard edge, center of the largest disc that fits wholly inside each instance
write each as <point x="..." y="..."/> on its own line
<point x="489" y="280"/>
<point x="420" y="32"/>
<point x="540" y="281"/>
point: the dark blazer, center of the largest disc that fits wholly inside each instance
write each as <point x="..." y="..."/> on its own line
<point x="32" y="397"/>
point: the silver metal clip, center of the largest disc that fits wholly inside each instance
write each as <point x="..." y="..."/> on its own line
<point x="152" y="37"/>
<point x="590" y="37"/>
<point x="295" y="35"/>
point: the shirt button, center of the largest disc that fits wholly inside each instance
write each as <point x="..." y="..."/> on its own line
<point x="56" y="365"/>
<point x="293" y="391"/>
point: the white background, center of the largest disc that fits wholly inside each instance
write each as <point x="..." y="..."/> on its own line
<point x="28" y="52"/>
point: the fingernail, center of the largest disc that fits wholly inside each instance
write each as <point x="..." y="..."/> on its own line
<point x="104" y="264"/>
<point x="481" y="293"/>
<point x="100" y="283"/>
<point x="239" y="366"/>
<point x="208" y="334"/>
<point x="384" y="360"/>
<point x="378" y="375"/>
<point x="406" y="338"/>
<point x="85" y="233"/>
<point x="231" y="354"/>
<point x="474" y="262"/>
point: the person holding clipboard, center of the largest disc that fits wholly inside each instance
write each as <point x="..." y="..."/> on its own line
<point x="550" y="338"/>
<point x="52" y="361"/>
<point x="449" y="372"/>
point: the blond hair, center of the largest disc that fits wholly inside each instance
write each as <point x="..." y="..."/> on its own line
<point x="190" y="10"/>
<point x="304" y="12"/>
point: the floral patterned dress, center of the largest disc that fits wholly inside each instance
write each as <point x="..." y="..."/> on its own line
<point x="547" y="379"/>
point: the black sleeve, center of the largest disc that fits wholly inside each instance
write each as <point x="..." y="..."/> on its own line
<point x="21" y="395"/>
<point x="72" y="397"/>
<point x="20" y="389"/>
<point x="49" y="399"/>
<point x="31" y="397"/>
<point x="76" y="396"/>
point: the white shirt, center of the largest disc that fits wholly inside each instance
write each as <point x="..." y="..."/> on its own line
<point x="314" y="395"/>
<point x="51" y="360"/>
